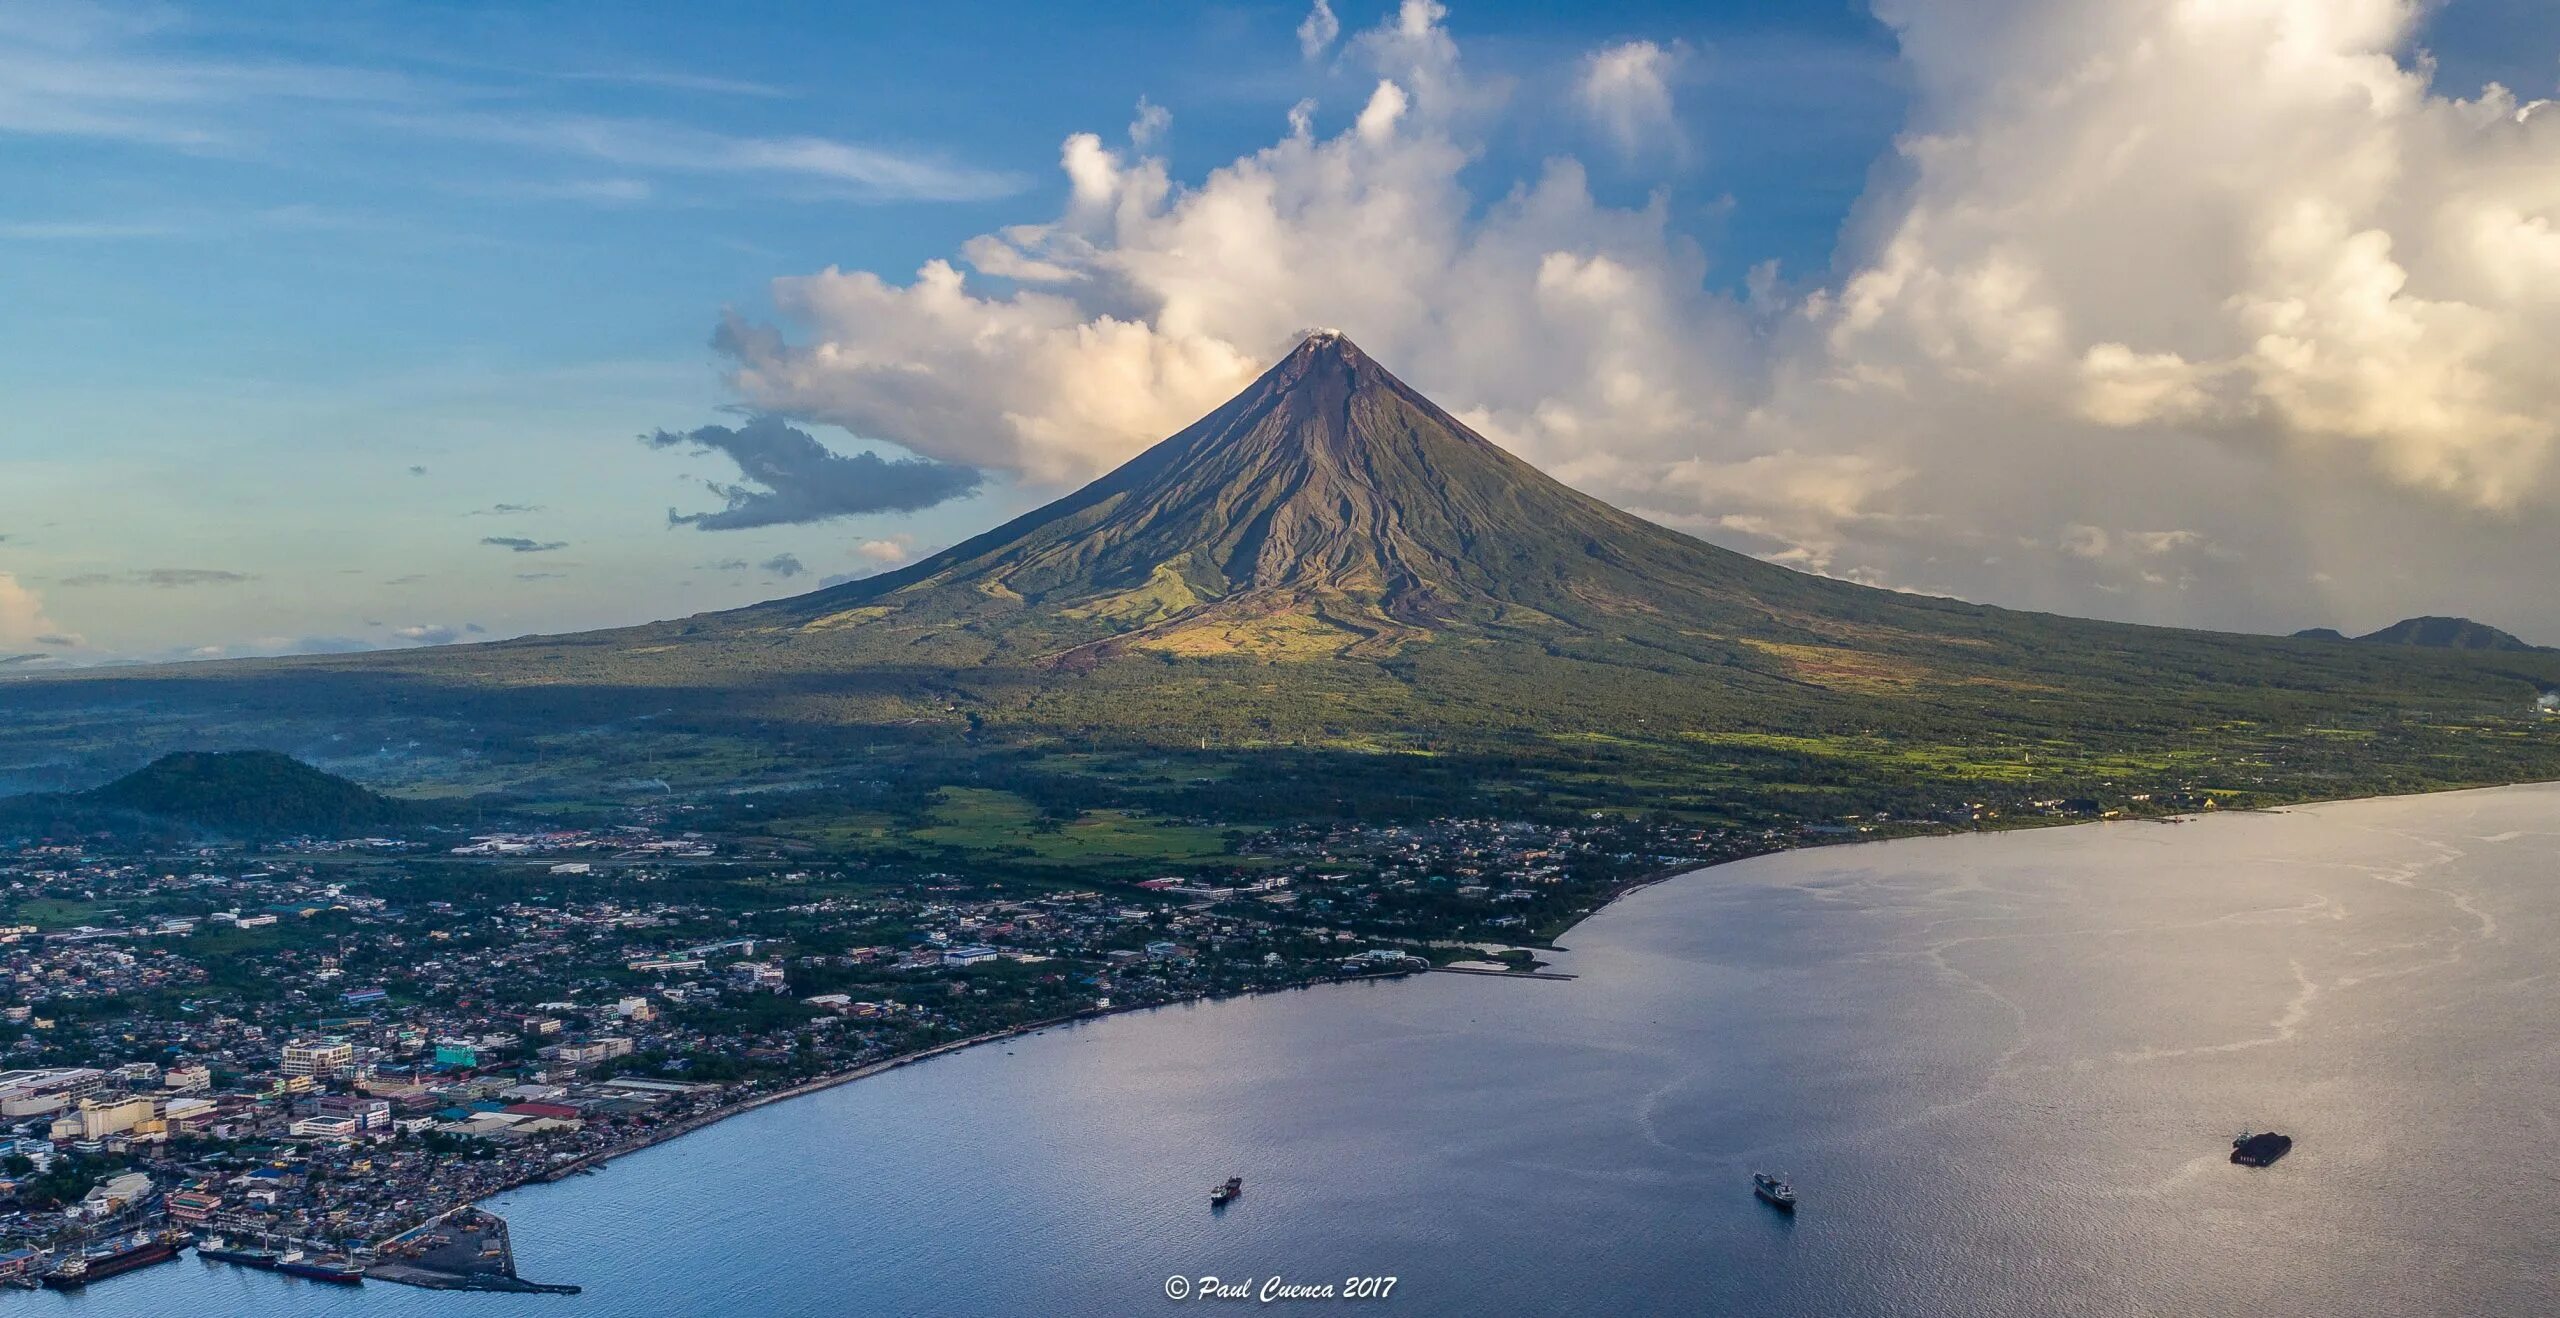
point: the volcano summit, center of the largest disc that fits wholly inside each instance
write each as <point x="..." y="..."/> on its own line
<point x="1329" y="593"/>
<point x="1328" y="510"/>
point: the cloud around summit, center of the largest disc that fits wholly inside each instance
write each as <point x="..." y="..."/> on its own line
<point x="2076" y="298"/>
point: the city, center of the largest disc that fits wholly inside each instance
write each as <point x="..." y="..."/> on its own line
<point x="331" y="1047"/>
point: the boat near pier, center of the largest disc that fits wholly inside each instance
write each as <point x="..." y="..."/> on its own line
<point x="111" y="1258"/>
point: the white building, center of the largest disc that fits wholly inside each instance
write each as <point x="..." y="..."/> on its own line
<point x="41" y="1093"/>
<point x="318" y="1058"/>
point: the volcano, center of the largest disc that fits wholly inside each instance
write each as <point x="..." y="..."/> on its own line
<point x="1329" y="510"/>
<point x="1327" y="592"/>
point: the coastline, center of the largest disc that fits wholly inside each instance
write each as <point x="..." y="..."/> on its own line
<point x="678" y="1129"/>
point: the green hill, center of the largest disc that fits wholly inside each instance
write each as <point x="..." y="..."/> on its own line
<point x="2445" y="634"/>
<point x="1329" y="596"/>
<point x="250" y="791"/>
<point x="256" y="794"/>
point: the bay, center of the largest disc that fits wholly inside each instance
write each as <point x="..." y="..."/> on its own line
<point x="2003" y="1071"/>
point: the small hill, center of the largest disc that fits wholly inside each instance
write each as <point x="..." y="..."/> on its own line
<point x="256" y="793"/>
<point x="2445" y="634"/>
<point x="2319" y="634"/>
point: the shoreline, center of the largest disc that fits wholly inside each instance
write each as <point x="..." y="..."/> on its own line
<point x="676" y="1130"/>
<point x="679" y="1129"/>
<point x="1651" y="878"/>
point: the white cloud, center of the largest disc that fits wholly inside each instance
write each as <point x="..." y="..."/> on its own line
<point x="158" y="78"/>
<point x="22" y="616"/>
<point x="887" y="551"/>
<point x="1316" y="33"/>
<point x="1626" y="90"/>
<point x="2251" y="217"/>
<point x="2228" y="266"/>
<point x="1148" y="126"/>
<point x="1552" y="318"/>
<point x="86" y="71"/>
<point x="863" y="172"/>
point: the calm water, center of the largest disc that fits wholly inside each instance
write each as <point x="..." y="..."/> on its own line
<point x="2003" y="1072"/>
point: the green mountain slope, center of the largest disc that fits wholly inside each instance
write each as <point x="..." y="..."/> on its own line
<point x="1329" y="595"/>
<point x="2445" y="634"/>
<point x="255" y="794"/>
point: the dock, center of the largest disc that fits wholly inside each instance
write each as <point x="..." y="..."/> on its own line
<point x="466" y="1250"/>
<point x="1502" y="974"/>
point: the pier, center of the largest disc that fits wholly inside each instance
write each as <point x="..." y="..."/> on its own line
<point x="465" y="1250"/>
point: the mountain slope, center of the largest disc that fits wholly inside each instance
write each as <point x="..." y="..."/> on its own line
<point x="1332" y="495"/>
<point x="1328" y="593"/>
<point x="251" y="793"/>
<point x="1330" y="511"/>
<point x="2445" y="634"/>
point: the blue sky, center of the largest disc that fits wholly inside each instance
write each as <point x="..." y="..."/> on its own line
<point x="336" y="324"/>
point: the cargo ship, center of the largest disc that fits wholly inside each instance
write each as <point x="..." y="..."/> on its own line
<point x="1773" y="1192"/>
<point x="99" y="1262"/>
<point x="2261" y="1149"/>
<point x="294" y="1263"/>
<point x="1222" y="1195"/>
<point x="220" y="1251"/>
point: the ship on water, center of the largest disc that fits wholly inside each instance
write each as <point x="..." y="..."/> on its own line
<point x="111" y="1258"/>
<point x="222" y="1251"/>
<point x="294" y="1263"/>
<point x="1773" y="1192"/>
<point x="1222" y="1195"/>
<point x="2260" y="1149"/>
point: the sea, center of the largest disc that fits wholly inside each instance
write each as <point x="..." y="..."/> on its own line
<point x="2003" y="1072"/>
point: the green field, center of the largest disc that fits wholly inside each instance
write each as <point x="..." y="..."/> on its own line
<point x="1000" y="824"/>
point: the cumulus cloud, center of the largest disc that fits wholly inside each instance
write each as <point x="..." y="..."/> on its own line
<point x="2256" y="220"/>
<point x="783" y="565"/>
<point x="1626" y="91"/>
<point x="521" y="545"/>
<point x="22" y="616"/>
<point x="1147" y="303"/>
<point x="804" y="481"/>
<point x="2239" y="269"/>
<point x="433" y="633"/>
<point x="888" y="551"/>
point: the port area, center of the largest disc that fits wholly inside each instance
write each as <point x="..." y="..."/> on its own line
<point x="465" y="1250"/>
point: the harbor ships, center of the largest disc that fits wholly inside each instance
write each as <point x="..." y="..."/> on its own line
<point x="111" y="1258"/>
